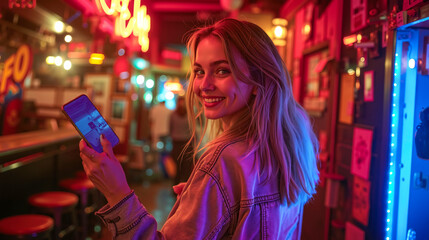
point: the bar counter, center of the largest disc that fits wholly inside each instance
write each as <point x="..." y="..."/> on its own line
<point x="33" y="162"/>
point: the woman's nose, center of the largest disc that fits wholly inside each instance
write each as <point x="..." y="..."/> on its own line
<point x="207" y="83"/>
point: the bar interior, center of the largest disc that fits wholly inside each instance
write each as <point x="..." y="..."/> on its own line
<point x="360" y="69"/>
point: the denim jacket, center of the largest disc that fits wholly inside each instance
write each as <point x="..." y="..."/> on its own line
<point x="224" y="198"/>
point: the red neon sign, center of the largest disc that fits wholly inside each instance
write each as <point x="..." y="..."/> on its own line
<point x="126" y="23"/>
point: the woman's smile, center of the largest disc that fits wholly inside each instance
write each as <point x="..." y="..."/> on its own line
<point x="210" y="101"/>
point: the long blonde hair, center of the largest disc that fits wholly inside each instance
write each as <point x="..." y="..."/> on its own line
<point x="274" y="125"/>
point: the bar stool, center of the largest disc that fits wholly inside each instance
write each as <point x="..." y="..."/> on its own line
<point x="26" y="226"/>
<point x="57" y="204"/>
<point x="83" y="187"/>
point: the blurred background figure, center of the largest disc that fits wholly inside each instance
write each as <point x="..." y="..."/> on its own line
<point x="180" y="134"/>
<point x="159" y="116"/>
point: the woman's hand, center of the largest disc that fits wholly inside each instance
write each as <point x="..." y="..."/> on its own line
<point x="105" y="171"/>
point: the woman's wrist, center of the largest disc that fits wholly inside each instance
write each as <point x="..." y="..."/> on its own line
<point x="117" y="197"/>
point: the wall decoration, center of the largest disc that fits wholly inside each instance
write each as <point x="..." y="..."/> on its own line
<point x="353" y="232"/>
<point x="358" y="15"/>
<point x="312" y="77"/>
<point x="410" y="3"/>
<point x="346" y="99"/>
<point x="101" y="85"/>
<point x="361" y="152"/>
<point x="119" y="113"/>
<point x="360" y="202"/>
<point x="368" y="89"/>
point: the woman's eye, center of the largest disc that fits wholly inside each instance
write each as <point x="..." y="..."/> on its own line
<point x="198" y="72"/>
<point x="223" y="71"/>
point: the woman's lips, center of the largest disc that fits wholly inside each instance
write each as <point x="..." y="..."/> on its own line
<point x="212" y="101"/>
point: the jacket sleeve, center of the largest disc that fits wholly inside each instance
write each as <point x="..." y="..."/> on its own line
<point x="201" y="212"/>
<point x="129" y="219"/>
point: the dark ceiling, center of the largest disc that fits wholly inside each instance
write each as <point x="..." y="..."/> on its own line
<point x="170" y="20"/>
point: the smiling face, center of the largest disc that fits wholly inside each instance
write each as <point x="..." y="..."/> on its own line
<point x="221" y="95"/>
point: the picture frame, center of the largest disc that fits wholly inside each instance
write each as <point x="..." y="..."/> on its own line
<point x="361" y="200"/>
<point x="346" y="109"/>
<point x="101" y="86"/>
<point x="407" y="4"/>
<point x="362" y="151"/>
<point x="358" y="15"/>
<point x="119" y="109"/>
<point x="122" y="85"/>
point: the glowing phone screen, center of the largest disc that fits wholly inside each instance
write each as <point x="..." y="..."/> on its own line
<point x="89" y="122"/>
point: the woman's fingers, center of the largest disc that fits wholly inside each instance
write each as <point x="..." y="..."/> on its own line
<point x="107" y="147"/>
<point x="87" y="151"/>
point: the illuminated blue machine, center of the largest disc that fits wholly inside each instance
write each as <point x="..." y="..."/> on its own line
<point x="407" y="190"/>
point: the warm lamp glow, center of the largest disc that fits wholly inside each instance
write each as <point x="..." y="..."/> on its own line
<point x="50" y="60"/>
<point x="174" y="87"/>
<point x="359" y="38"/>
<point x="67" y="65"/>
<point x="68" y="38"/>
<point x="58" y="60"/>
<point x="96" y="58"/>
<point x="279" y="31"/>
<point x="307" y="29"/>
<point x="349" y="40"/>
<point x="59" y="26"/>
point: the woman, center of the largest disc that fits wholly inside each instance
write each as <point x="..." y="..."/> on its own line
<point x="258" y="170"/>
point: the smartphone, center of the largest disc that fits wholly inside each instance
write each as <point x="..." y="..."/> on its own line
<point x="88" y="122"/>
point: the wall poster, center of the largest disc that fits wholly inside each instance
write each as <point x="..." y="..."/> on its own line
<point x="360" y="202"/>
<point x="346" y="108"/>
<point x="357" y="15"/>
<point x="361" y="152"/>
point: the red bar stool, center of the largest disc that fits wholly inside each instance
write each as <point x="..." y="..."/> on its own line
<point x="87" y="193"/>
<point x="26" y="226"/>
<point x="58" y="204"/>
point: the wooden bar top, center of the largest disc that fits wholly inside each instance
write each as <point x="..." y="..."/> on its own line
<point x="21" y="141"/>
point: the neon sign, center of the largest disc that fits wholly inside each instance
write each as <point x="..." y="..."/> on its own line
<point x="16" y="68"/>
<point x="126" y="24"/>
<point x="22" y="3"/>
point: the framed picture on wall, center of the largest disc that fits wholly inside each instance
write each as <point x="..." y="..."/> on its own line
<point x="361" y="152"/>
<point x="101" y="85"/>
<point x="360" y="202"/>
<point x="346" y="108"/>
<point x="358" y="11"/>
<point x="119" y="109"/>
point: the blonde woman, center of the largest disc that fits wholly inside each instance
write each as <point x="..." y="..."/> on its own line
<point x="258" y="170"/>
